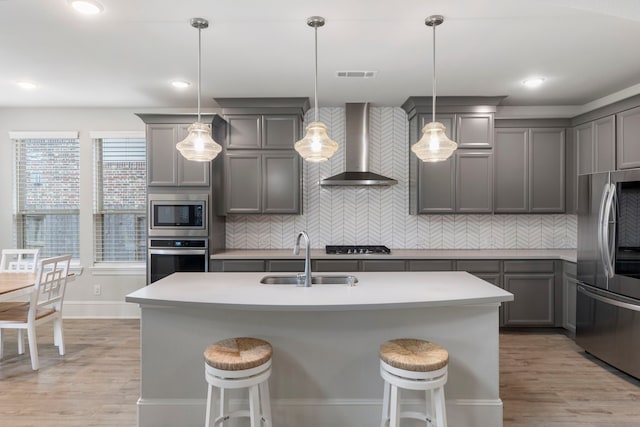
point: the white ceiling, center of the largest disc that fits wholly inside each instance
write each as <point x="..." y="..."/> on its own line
<point x="127" y="56"/>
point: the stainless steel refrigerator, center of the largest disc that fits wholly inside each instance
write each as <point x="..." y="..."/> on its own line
<point x="608" y="300"/>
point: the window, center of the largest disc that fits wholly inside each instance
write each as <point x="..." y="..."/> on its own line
<point x="120" y="224"/>
<point x="47" y="192"/>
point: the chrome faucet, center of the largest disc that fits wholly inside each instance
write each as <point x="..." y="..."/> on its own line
<point x="307" y="258"/>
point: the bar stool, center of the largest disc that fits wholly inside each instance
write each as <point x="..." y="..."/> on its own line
<point x="413" y="364"/>
<point x="236" y="363"/>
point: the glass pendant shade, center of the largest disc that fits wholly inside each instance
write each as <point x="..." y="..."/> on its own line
<point x="434" y="146"/>
<point x="316" y="146"/>
<point x="198" y="145"/>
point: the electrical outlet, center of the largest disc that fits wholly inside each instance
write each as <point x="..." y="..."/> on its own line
<point x="97" y="290"/>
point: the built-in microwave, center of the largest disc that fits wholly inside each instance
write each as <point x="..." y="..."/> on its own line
<point x="181" y="215"/>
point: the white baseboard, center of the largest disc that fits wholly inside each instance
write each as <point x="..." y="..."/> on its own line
<point x="100" y="310"/>
<point x="315" y="412"/>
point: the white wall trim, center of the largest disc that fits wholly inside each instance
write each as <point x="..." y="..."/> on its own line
<point x="100" y="310"/>
<point x="43" y="134"/>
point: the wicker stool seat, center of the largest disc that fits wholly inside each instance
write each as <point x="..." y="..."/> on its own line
<point x="237" y="363"/>
<point x="413" y="364"/>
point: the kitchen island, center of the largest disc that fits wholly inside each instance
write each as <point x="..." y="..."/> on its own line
<point x="325" y="340"/>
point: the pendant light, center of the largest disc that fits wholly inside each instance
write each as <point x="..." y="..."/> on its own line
<point x="198" y="145"/>
<point x="434" y="146"/>
<point x="316" y="146"/>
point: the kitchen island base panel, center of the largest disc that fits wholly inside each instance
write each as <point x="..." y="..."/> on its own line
<point x="325" y="363"/>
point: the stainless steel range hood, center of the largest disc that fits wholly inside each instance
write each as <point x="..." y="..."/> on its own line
<point x="357" y="151"/>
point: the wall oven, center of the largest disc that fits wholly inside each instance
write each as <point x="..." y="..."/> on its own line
<point x="608" y="300"/>
<point x="167" y="256"/>
<point x="180" y="215"/>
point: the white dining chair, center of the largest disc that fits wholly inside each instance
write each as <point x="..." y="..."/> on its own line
<point x="19" y="260"/>
<point x="45" y="305"/>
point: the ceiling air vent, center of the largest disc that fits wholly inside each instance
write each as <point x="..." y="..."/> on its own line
<point x="357" y="74"/>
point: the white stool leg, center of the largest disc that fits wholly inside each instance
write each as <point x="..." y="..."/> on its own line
<point x="265" y="403"/>
<point x="209" y="417"/>
<point x="224" y="406"/>
<point x="254" y="406"/>
<point x="385" y="405"/>
<point x="394" y="404"/>
<point x="430" y="410"/>
<point x="441" y="412"/>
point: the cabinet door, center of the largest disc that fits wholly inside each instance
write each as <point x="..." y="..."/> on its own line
<point x="430" y="265"/>
<point x="161" y="155"/>
<point x="281" y="182"/>
<point x="383" y="265"/>
<point x="546" y="170"/>
<point x="584" y="143"/>
<point x="436" y="186"/>
<point x="326" y="265"/>
<point x="243" y="182"/>
<point x="628" y="131"/>
<point x="511" y="188"/>
<point x="244" y="131"/>
<point x="191" y="173"/>
<point x="604" y="159"/>
<point x="474" y="181"/>
<point x="569" y="296"/>
<point x="474" y="130"/>
<point x="533" y="302"/>
<point x="280" y="131"/>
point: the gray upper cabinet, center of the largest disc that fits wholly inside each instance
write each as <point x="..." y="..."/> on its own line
<point x="436" y="188"/>
<point x="474" y="130"/>
<point x="263" y="172"/>
<point x="628" y="133"/>
<point x="596" y="145"/>
<point x="511" y="170"/>
<point x="474" y="181"/>
<point x="166" y="166"/>
<point x="546" y="170"/>
<point x="529" y="170"/>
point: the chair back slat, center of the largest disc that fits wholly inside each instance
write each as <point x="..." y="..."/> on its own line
<point x="51" y="283"/>
<point x="19" y="260"/>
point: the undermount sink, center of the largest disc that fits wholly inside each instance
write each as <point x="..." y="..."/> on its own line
<point x="315" y="280"/>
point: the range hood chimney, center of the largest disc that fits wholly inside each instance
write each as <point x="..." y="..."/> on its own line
<point x="357" y="150"/>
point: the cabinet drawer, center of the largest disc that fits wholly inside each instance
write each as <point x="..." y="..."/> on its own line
<point x="491" y="278"/>
<point x="570" y="269"/>
<point x="242" y="266"/>
<point x="335" y="265"/>
<point x="542" y="266"/>
<point x="431" y="265"/>
<point x="478" y="266"/>
<point x="294" y="265"/>
<point x="385" y="265"/>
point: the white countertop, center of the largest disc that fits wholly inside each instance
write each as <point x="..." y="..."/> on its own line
<point x="373" y="291"/>
<point x="486" y="254"/>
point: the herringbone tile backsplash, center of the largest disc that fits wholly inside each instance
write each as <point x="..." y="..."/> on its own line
<point x="380" y="215"/>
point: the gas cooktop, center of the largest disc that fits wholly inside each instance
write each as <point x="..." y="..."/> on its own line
<point x="356" y="250"/>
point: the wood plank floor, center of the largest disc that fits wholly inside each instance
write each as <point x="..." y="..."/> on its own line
<point x="546" y="381"/>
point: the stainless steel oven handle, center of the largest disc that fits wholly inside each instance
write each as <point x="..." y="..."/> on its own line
<point x="607" y="300"/>
<point x="178" y="251"/>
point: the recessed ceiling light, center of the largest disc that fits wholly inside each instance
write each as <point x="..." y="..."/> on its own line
<point x="87" y="7"/>
<point x="27" y="85"/>
<point x="533" y="82"/>
<point x="180" y="84"/>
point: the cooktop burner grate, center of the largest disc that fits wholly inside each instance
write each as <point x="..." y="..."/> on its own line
<point x="356" y="250"/>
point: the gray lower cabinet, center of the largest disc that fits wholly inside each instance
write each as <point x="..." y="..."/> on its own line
<point x="628" y="129"/>
<point x="533" y="284"/>
<point x="262" y="182"/>
<point x="237" y="265"/>
<point x="325" y="265"/>
<point x="165" y="164"/>
<point x="430" y="265"/>
<point x="529" y="170"/>
<point x="383" y="265"/>
<point x="569" y="289"/>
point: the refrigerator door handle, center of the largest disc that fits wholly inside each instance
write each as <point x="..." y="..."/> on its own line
<point x="608" y="300"/>
<point x="601" y="229"/>
<point x="608" y="246"/>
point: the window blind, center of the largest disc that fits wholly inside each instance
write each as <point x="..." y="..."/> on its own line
<point x="47" y="195"/>
<point x="120" y="224"/>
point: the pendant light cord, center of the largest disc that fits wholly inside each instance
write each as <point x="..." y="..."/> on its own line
<point x="315" y="84"/>
<point x="433" y="98"/>
<point x="199" y="54"/>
